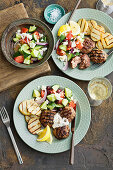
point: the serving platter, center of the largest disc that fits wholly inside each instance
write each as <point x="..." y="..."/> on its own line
<point x="83" y="115"/>
<point x="94" y="70"/>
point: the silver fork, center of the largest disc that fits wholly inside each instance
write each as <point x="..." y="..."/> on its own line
<point x="6" y="120"/>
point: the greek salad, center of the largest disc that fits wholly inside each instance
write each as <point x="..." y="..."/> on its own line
<point x="29" y="45"/>
<point x="54" y="97"/>
<point x="70" y="42"/>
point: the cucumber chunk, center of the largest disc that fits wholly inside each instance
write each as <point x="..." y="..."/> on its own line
<point x="34" y="53"/>
<point x="36" y="93"/>
<point x="27" y="61"/>
<point x="59" y="105"/>
<point x="39" y="56"/>
<point x="70" y="56"/>
<point x="65" y="102"/>
<point x="18" y="36"/>
<point x="15" y="39"/>
<point x="51" y="105"/>
<point x="63" y="47"/>
<point x="32" y="28"/>
<point x="68" y="92"/>
<point x="24" y="47"/>
<point x="38" y="47"/>
<point x="55" y="87"/>
<point x="43" y="106"/>
<point x="51" y="97"/>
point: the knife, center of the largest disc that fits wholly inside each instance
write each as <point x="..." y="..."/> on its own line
<point x="73" y="136"/>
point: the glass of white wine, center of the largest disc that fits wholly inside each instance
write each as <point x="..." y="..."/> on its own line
<point x="105" y="6"/>
<point x="99" y="89"/>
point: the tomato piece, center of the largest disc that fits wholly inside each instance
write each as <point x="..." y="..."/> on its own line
<point x="62" y="95"/>
<point x="69" y="36"/>
<point x="79" y="44"/>
<point x="59" y="102"/>
<point x="37" y="34"/>
<point x="24" y="41"/>
<point x="72" y="104"/>
<point x="42" y="93"/>
<point x="24" y="30"/>
<point x="60" y="52"/>
<point x="69" y="48"/>
<point x="19" y="59"/>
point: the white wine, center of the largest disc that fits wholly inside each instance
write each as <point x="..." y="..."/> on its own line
<point x="108" y="2"/>
<point x="99" y="89"/>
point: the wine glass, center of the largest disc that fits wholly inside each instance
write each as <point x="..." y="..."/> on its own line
<point x="99" y="89"/>
<point x="105" y="6"/>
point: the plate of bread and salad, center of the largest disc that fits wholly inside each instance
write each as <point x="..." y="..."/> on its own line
<point x="44" y="110"/>
<point x="82" y="46"/>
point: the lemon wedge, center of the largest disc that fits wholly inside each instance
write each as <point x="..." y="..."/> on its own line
<point x="74" y="27"/>
<point x="63" y="29"/>
<point x="50" y="139"/>
<point x="44" y="135"/>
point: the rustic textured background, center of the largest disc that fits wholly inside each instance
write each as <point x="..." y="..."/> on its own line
<point x="94" y="152"/>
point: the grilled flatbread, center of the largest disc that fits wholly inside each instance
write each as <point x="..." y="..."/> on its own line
<point x="83" y="25"/>
<point x="99" y="45"/>
<point x="27" y="118"/>
<point x="34" y="125"/>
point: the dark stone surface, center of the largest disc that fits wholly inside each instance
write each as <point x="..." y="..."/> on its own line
<point x="94" y="152"/>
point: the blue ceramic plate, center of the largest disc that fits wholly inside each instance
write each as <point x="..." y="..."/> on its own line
<point x="83" y="115"/>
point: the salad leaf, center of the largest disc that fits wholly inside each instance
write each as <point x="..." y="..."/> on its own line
<point x="17" y="54"/>
<point x="77" y="53"/>
<point x="62" y="37"/>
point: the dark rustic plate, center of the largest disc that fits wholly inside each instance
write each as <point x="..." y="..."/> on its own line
<point x="9" y="33"/>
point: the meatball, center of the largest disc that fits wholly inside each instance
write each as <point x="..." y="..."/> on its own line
<point x="98" y="56"/>
<point x="68" y="112"/>
<point x="75" y="61"/>
<point x="61" y="132"/>
<point x="88" y="45"/>
<point x="47" y="117"/>
<point x="85" y="61"/>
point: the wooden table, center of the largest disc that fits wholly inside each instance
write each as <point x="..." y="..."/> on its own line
<point x="94" y="152"/>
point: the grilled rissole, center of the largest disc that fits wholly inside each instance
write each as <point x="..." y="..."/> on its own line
<point x="68" y="112"/>
<point x="47" y="117"/>
<point x="98" y="56"/>
<point x="61" y="132"/>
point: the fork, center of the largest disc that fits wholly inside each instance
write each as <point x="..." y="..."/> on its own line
<point x="6" y="120"/>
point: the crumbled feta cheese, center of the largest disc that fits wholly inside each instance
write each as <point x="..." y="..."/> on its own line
<point x="38" y="98"/>
<point x="32" y="44"/>
<point x="41" y="35"/>
<point x="62" y="58"/>
<point x="57" y="95"/>
<point x="65" y="43"/>
<point x="74" y="100"/>
<point x="29" y="36"/>
<point x="35" y="52"/>
<point x="44" y="49"/>
<point x="43" y="87"/>
<point x="18" y="31"/>
<point x="76" y="50"/>
<point x="41" y="52"/>
<point x="47" y="101"/>
<point x="73" y="44"/>
<point x="59" y="121"/>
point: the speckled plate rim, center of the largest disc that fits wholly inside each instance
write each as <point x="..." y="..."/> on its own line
<point x="58" y="145"/>
<point x="86" y="74"/>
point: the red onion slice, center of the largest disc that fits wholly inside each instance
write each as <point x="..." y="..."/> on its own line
<point x="66" y="65"/>
<point x="39" y="43"/>
<point x="57" y="44"/>
<point x="42" y="99"/>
